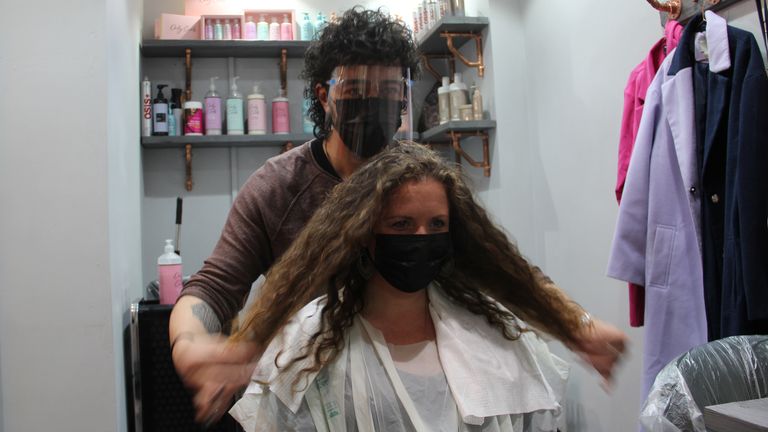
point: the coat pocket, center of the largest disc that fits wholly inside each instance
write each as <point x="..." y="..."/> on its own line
<point x="661" y="255"/>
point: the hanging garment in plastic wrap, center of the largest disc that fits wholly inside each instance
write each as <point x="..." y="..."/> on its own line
<point x="728" y="370"/>
<point x="486" y="383"/>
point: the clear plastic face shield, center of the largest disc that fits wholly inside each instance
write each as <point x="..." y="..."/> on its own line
<point x="370" y="106"/>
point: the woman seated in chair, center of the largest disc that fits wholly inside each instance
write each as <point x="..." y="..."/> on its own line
<point x="424" y="319"/>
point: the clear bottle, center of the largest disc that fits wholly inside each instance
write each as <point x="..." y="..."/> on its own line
<point x="262" y="29"/>
<point x="250" y="29"/>
<point x="213" y="110"/>
<point x="477" y="103"/>
<point x="227" y="30"/>
<point x="444" y="101"/>
<point x="274" y="30"/>
<point x="235" y="110"/>
<point x="218" y="31"/>
<point x="286" y="29"/>
<point x="169" y="274"/>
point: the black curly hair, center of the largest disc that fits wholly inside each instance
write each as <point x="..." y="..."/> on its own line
<point x="359" y="37"/>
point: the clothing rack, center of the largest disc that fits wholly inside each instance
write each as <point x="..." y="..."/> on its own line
<point x="684" y="10"/>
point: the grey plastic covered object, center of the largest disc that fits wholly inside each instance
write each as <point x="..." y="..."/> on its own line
<point x="728" y="370"/>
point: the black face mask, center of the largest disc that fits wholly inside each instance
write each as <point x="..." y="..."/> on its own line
<point x="368" y="125"/>
<point x="410" y="262"/>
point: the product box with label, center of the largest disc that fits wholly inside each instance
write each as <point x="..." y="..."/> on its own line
<point x="170" y="26"/>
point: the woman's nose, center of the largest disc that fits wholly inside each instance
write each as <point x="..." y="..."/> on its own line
<point x="421" y="230"/>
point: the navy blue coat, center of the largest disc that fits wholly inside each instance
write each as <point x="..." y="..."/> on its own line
<point x="731" y="109"/>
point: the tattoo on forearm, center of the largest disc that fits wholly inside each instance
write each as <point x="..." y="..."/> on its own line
<point x="207" y="317"/>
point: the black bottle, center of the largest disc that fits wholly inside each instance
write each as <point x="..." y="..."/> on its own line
<point x="160" y="110"/>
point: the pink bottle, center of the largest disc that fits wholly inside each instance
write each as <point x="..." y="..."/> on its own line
<point x="281" y="124"/>
<point x="236" y="32"/>
<point x="250" y="29"/>
<point x="169" y="274"/>
<point x="286" y="29"/>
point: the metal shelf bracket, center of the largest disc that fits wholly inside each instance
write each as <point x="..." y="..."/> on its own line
<point x="188" y="163"/>
<point x="485" y="164"/>
<point x="431" y="69"/>
<point x="479" y="64"/>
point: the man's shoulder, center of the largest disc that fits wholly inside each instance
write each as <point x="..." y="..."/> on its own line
<point x="291" y="173"/>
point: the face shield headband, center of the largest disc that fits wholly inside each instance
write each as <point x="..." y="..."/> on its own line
<point x="370" y="106"/>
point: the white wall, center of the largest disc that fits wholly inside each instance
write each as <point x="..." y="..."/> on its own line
<point x="123" y="180"/>
<point x="70" y="217"/>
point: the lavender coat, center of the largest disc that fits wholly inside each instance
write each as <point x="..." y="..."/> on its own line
<point x="657" y="240"/>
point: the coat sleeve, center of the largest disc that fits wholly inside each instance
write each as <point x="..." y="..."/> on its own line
<point x="628" y="132"/>
<point x="752" y="188"/>
<point x="628" y="253"/>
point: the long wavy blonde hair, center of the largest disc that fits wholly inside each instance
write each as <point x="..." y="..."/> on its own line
<point x="322" y="261"/>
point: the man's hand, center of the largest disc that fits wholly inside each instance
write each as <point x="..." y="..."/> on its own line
<point x="214" y="370"/>
<point x="601" y="345"/>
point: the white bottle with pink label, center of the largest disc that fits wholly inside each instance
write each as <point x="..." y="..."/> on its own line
<point x="169" y="274"/>
<point x="257" y="112"/>
<point x="213" y="110"/>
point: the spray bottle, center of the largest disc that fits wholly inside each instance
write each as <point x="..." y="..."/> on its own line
<point x="235" y="110"/>
<point x="146" y="107"/>
<point x="169" y="274"/>
<point x="213" y="110"/>
<point x="160" y="108"/>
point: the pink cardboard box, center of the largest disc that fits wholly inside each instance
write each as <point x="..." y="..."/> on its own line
<point x="170" y="26"/>
<point x="216" y="7"/>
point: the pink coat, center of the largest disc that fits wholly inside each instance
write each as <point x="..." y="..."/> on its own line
<point x="634" y="99"/>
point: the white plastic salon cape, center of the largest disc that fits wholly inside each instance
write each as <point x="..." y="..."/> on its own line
<point x="487" y="382"/>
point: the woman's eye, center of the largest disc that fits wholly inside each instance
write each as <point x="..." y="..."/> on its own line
<point x="439" y="223"/>
<point x="400" y="224"/>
